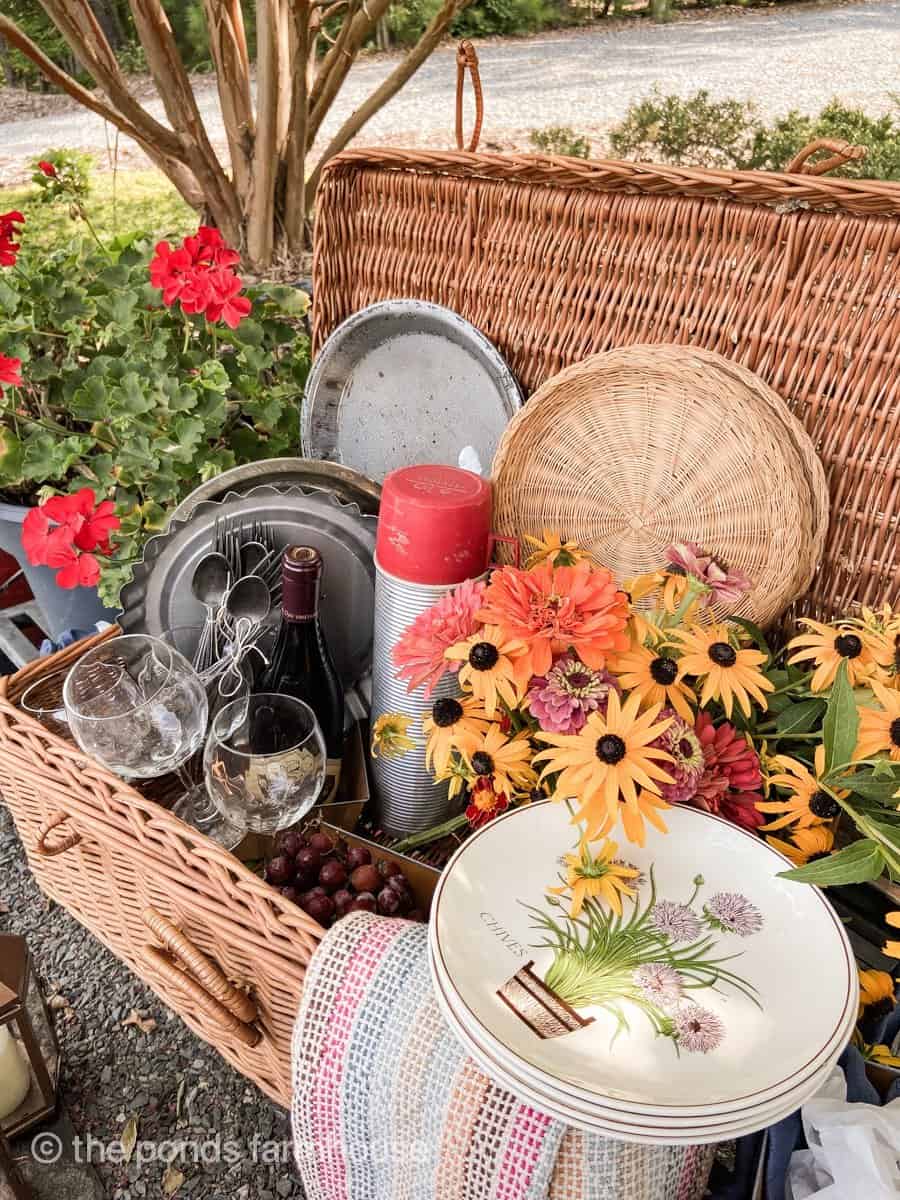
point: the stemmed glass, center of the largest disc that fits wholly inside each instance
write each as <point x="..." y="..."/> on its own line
<point x="137" y="705"/>
<point x="264" y="762"/>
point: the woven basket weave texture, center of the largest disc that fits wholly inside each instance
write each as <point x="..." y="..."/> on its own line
<point x="794" y="276"/>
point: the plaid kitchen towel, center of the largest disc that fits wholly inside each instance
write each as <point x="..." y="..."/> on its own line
<point x="388" y="1106"/>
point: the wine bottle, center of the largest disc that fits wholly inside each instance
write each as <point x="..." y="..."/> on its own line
<point x="301" y="664"/>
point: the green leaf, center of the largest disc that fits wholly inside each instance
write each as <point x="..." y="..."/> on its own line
<point x="800" y="718"/>
<point x="91" y="401"/>
<point x="863" y="783"/>
<point x="841" y="723"/>
<point x="857" y="863"/>
<point x="249" y="332"/>
<point x="290" y="300"/>
<point x="12" y="457"/>
<point x="118" y="307"/>
<point x="131" y="397"/>
<point x="755" y="633"/>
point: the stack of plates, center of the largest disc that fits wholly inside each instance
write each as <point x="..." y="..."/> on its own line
<point x="577" y="1017"/>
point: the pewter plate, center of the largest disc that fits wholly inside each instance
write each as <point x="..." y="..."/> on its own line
<point x="159" y="597"/>
<point x="308" y="473"/>
<point x="404" y="382"/>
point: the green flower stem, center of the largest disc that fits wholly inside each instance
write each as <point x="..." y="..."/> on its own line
<point x="432" y="834"/>
<point x="888" y="848"/>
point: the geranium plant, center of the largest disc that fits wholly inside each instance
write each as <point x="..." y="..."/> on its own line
<point x="133" y="372"/>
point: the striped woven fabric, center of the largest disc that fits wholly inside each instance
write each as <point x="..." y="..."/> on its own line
<point x="387" y="1105"/>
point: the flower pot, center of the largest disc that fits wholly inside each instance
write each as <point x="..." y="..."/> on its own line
<point x="62" y="608"/>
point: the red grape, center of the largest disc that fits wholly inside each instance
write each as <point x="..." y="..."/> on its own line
<point x="305" y="877"/>
<point x="358" y="856"/>
<point x="389" y="869"/>
<point x="308" y="858"/>
<point x="389" y="902"/>
<point x="280" y="869"/>
<point x="366" y="878"/>
<point x="291" y="893"/>
<point x="322" y="842"/>
<point x="342" y="900"/>
<point x="332" y="875"/>
<point x="289" y="843"/>
<point x="320" y="908"/>
<point x="364" y="902"/>
<point x="307" y="896"/>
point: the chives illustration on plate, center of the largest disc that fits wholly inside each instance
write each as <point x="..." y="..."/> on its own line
<point x="618" y="946"/>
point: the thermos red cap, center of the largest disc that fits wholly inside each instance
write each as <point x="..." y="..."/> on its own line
<point x="434" y="524"/>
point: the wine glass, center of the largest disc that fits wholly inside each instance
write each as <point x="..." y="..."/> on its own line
<point x="223" y="682"/>
<point x="137" y="705"/>
<point x="264" y="762"/>
<point x="43" y="700"/>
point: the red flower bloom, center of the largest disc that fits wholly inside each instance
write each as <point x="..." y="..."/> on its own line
<point x="484" y="803"/>
<point x="61" y="531"/>
<point x="731" y="782"/>
<point x="199" y="276"/>
<point x="48" y="169"/>
<point x="10" y="371"/>
<point x="8" y="231"/>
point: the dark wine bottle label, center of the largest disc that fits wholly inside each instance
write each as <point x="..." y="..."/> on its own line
<point x="301" y="578"/>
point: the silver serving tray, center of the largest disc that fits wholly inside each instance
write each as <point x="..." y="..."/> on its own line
<point x="308" y="473"/>
<point x="404" y="382"/>
<point x="159" y="596"/>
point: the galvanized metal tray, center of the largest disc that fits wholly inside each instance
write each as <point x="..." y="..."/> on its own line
<point x="404" y="382"/>
<point x="308" y="473"/>
<point x="159" y="596"/>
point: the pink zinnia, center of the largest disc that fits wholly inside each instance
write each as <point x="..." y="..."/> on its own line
<point x="562" y="700"/>
<point x="726" y="585"/>
<point x="688" y="762"/>
<point x="731" y="782"/>
<point x="420" y="652"/>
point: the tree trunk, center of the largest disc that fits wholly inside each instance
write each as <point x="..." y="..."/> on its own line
<point x="660" y="10"/>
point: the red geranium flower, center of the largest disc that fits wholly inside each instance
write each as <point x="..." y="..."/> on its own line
<point x="199" y="276"/>
<point x="10" y="371"/>
<point x="35" y="533"/>
<point x="8" y="231"/>
<point x="61" y="532"/>
<point x="48" y="169"/>
<point x="76" y="570"/>
<point x="226" y="304"/>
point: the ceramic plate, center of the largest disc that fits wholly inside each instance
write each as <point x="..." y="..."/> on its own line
<point x="621" y="1125"/>
<point x="773" y="992"/>
<point x="515" y="1075"/>
<point x="404" y="382"/>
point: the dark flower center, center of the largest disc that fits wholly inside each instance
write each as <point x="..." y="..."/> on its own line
<point x="897" y="653"/>
<point x="610" y="748"/>
<point x="685" y="748"/>
<point x="482" y="763"/>
<point x="824" y="806"/>
<point x="664" y="670"/>
<point x="579" y="679"/>
<point x="722" y="654"/>
<point x="819" y="854"/>
<point x="848" y="645"/>
<point x="483" y="656"/>
<point x="675" y="569"/>
<point x="895" y="731"/>
<point x="695" y="1026"/>
<point x="446" y="712"/>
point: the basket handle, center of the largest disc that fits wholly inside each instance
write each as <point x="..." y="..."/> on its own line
<point x="59" y="845"/>
<point x="467" y="58"/>
<point x="200" y="978"/>
<point x="841" y="152"/>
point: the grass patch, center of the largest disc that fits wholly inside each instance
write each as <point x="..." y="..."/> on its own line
<point x="137" y="200"/>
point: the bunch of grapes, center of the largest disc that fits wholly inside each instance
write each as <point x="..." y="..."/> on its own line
<point x="329" y="879"/>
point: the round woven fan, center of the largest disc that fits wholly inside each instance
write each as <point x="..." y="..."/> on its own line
<point x="632" y="450"/>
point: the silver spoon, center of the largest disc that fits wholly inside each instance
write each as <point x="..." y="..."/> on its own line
<point x="209" y="585"/>
<point x="246" y="607"/>
<point x="253" y="555"/>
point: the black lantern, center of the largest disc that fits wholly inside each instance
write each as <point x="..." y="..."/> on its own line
<point x="12" y="1185"/>
<point x="29" y="1053"/>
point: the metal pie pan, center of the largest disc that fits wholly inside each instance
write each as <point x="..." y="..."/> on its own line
<point x="404" y="382"/>
<point x="159" y="597"/>
<point x="310" y="474"/>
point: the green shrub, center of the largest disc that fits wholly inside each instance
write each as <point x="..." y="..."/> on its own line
<point x="408" y="18"/>
<point x="699" y="131"/>
<point x="560" y="139"/>
<point x="72" y="179"/>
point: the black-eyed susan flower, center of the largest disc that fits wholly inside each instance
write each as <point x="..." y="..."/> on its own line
<point x="729" y="674"/>
<point x="827" y="646"/>
<point x="611" y="762"/>
<point x="390" y="736"/>
<point x="596" y="875"/>
<point x="488" y="667"/>
<point x="653" y="676"/>
<point x="876" y="994"/>
<point x="806" y="845"/>
<point x="892" y="948"/>
<point x="807" y="803"/>
<point x="879" y="728"/>
<point x="505" y="761"/>
<point x="456" y="723"/>
<point x="880" y="1054"/>
<point x="551" y="546"/>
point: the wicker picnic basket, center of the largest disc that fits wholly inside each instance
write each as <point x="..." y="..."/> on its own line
<point x="554" y="259"/>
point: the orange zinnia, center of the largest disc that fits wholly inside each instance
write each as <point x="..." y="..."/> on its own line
<point x="554" y="609"/>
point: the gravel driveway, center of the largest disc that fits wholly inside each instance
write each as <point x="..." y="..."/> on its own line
<point x="792" y="56"/>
